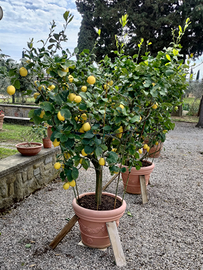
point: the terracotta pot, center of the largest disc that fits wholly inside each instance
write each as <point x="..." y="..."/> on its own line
<point x="25" y="150"/>
<point x="155" y="150"/>
<point x="49" y="132"/>
<point x="133" y="185"/>
<point x="1" y="120"/>
<point x="93" y="223"/>
<point x="47" y="143"/>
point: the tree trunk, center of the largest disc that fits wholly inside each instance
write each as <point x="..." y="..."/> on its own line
<point x="98" y="185"/>
<point x="200" y="123"/>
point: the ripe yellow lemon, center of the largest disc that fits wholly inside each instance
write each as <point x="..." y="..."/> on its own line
<point x="156" y="143"/>
<point x="84" y="116"/>
<point x="102" y="161"/>
<point x="83" y="153"/>
<point x="78" y="99"/>
<point x="70" y="78"/>
<point x="121" y="106"/>
<point x="41" y="87"/>
<point x="110" y="83"/>
<point x="23" y="71"/>
<point x="60" y="117"/>
<point x="11" y="90"/>
<point x="36" y="95"/>
<point x="57" y="165"/>
<point x="145" y="146"/>
<point x="148" y="148"/>
<point x="65" y="69"/>
<point x="71" y="96"/>
<point x="56" y="143"/>
<point x="140" y="151"/>
<point x="81" y="160"/>
<point x="51" y="87"/>
<point x="91" y="80"/>
<point x="84" y="88"/>
<point x="120" y="130"/>
<point x="105" y="87"/>
<point x="67" y="155"/>
<point x="66" y="186"/>
<point x="42" y="114"/>
<point x="154" y="106"/>
<point x="72" y="183"/>
<point x="86" y="126"/>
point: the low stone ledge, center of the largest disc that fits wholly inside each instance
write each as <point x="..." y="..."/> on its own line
<point x="22" y="175"/>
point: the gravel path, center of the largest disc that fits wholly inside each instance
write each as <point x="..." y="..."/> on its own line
<point x="166" y="233"/>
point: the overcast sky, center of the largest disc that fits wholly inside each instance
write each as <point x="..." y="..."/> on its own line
<point x="26" y="19"/>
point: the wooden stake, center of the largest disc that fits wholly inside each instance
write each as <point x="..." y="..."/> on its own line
<point x="116" y="244"/>
<point x="143" y="189"/>
<point x="63" y="232"/>
<point x="110" y="181"/>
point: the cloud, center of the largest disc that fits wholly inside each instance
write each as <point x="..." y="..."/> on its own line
<point x="31" y="19"/>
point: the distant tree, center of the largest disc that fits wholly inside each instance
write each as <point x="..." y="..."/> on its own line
<point x="151" y="20"/>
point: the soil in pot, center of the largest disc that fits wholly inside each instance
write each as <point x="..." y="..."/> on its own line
<point x="107" y="202"/>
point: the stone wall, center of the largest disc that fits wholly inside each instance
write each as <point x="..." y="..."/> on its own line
<point x="16" y="110"/>
<point x="22" y="175"/>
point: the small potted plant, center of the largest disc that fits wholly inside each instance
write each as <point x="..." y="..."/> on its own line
<point x="100" y="115"/>
<point x="28" y="147"/>
<point x="41" y="131"/>
<point x="1" y="119"/>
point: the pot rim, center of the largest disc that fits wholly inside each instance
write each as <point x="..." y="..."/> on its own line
<point x="20" y="145"/>
<point x="116" y="213"/>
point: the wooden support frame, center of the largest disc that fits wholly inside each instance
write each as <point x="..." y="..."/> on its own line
<point x="116" y="244"/>
<point x="63" y="232"/>
<point x="143" y="189"/>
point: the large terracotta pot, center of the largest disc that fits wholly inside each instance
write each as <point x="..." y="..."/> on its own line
<point x="26" y="150"/>
<point x="93" y="223"/>
<point x="47" y="143"/>
<point x="133" y="184"/>
<point x="1" y="120"/>
<point x="155" y="150"/>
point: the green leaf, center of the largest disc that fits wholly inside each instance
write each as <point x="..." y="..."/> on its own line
<point x="28" y="245"/>
<point x="85" y="163"/>
<point x="98" y="151"/>
<point x="68" y="174"/>
<point x="66" y="113"/>
<point x="61" y="73"/>
<point x="66" y="15"/>
<point x="129" y="214"/>
<point x="17" y="84"/>
<point x="89" y="134"/>
<point x="88" y="149"/>
<point x="47" y="106"/>
<point x="75" y="173"/>
<point x="104" y="147"/>
<point x="169" y="72"/>
<point x="112" y="157"/>
<point x="135" y="118"/>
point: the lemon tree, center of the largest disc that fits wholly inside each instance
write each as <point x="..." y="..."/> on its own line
<point x="102" y="114"/>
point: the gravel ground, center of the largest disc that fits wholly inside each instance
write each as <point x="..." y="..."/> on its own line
<point x="165" y="233"/>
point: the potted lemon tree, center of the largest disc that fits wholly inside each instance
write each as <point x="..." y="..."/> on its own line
<point x="100" y="115"/>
